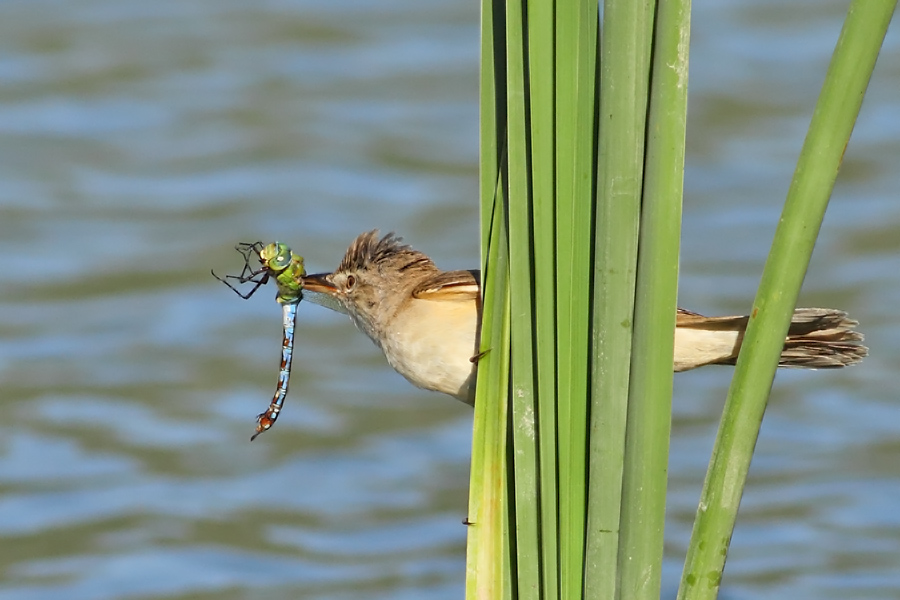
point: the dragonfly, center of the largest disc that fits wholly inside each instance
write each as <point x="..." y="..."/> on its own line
<point x="277" y="262"/>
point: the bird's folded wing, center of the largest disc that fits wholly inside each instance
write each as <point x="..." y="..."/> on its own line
<point x="692" y="320"/>
<point x="450" y="285"/>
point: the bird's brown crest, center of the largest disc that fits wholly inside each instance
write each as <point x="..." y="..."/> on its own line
<point x="368" y="252"/>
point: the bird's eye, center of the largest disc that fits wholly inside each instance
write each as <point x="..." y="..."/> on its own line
<point x="351" y="282"/>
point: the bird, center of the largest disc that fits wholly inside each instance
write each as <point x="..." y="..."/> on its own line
<point x="427" y="321"/>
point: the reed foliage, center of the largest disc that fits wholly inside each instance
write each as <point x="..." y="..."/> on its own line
<point x="582" y="153"/>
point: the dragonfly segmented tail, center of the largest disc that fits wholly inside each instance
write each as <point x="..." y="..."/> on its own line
<point x="279" y="262"/>
<point x="267" y="419"/>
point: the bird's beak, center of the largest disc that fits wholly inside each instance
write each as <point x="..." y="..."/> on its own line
<point x="319" y="283"/>
<point x="323" y="292"/>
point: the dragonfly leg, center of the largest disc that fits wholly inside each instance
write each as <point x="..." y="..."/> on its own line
<point x="248" y="274"/>
<point x="244" y="279"/>
<point x="249" y="250"/>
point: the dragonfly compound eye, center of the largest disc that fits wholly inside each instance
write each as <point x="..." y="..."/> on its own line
<point x="276" y="256"/>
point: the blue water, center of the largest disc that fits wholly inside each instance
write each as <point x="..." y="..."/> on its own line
<point x="140" y="141"/>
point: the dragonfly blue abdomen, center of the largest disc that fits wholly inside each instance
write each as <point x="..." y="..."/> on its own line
<point x="266" y="419"/>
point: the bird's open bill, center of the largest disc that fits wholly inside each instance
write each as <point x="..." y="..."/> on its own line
<point x="318" y="290"/>
<point x="318" y="283"/>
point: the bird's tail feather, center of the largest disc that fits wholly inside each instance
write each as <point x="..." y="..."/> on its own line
<point x="820" y="338"/>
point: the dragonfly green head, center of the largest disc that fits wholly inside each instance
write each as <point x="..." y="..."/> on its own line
<point x="277" y="257"/>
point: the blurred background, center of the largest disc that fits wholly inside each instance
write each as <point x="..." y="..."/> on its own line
<point x="139" y="141"/>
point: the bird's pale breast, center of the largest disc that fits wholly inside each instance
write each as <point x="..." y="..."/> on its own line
<point x="432" y="342"/>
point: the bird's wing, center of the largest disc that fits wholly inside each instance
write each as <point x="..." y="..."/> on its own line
<point x="692" y="320"/>
<point x="450" y="285"/>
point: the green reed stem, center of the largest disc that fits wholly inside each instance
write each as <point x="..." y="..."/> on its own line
<point x="624" y="82"/>
<point x="650" y="387"/>
<point x="541" y="57"/>
<point x="488" y="565"/>
<point x="522" y="397"/>
<point x="576" y="43"/>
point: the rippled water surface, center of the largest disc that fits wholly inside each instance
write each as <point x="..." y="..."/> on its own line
<point x="139" y="141"/>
